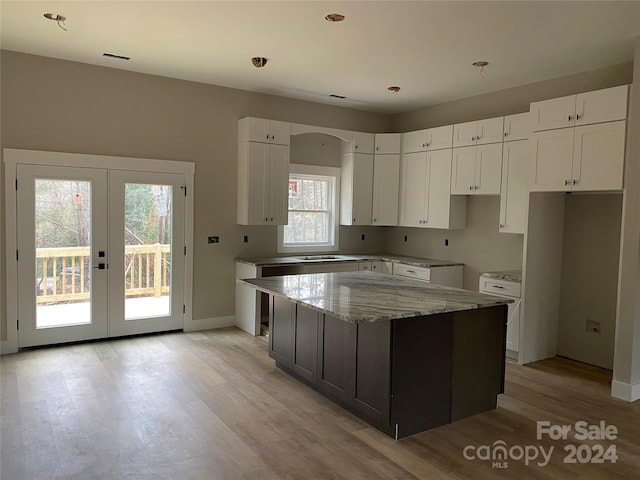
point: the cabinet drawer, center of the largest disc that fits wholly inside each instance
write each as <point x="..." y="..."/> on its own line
<point x="499" y="287"/>
<point x="417" y="273"/>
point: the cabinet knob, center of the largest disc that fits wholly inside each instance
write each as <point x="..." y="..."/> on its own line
<point x="578" y="116"/>
<point x="272" y="219"/>
<point x="501" y="225"/>
<point x="355" y="147"/>
<point x="506" y="134"/>
<point x="424" y="145"/>
<point x="375" y="220"/>
<point x="566" y="182"/>
<point x="377" y="148"/>
<point x="354" y="219"/>
<point x="273" y="137"/>
<point x="473" y="139"/>
<point x="470" y="187"/>
<point x="267" y="137"/>
<point x="266" y="219"/>
<point x="570" y="118"/>
<point x="575" y="182"/>
<point x="475" y="187"/>
<point x="428" y="144"/>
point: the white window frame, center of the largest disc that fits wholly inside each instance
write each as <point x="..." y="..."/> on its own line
<point x="334" y="206"/>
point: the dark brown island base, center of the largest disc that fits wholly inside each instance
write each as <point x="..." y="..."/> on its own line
<point x="402" y="355"/>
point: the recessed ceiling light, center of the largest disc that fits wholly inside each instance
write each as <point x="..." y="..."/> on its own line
<point x="117" y="57"/>
<point x="334" y="17"/>
<point x="337" y="96"/>
<point x="259" y="62"/>
<point x="55" y="17"/>
<point x="393" y="89"/>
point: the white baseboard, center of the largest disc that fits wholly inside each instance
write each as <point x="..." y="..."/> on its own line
<point x="625" y="391"/>
<point x="209" y="323"/>
<point x="7" y="347"/>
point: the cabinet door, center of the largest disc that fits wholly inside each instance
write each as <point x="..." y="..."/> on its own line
<point x="607" y="105"/>
<point x="514" y="194"/>
<point x="280" y="132"/>
<point x="463" y="172"/>
<point x="363" y="142"/>
<point x="257" y="183"/>
<point x="517" y="127"/>
<point x="278" y="198"/>
<point x="281" y="330"/>
<point x="439" y="192"/>
<point x="362" y="189"/>
<point x="551" y="158"/>
<point x="382" y="267"/>
<point x="464" y="134"/>
<point x="490" y="130"/>
<point x="554" y="113"/>
<point x="254" y="130"/>
<point x="513" y="325"/>
<point x="488" y="169"/>
<point x="336" y="357"/>
<point x="440" y="138"/>
<point x="414" y="141"/>
<point x="386" y="180"/>
<point x="598" y="156"/>
<point x="305" y="345"/>
<point x="387" y="143"/>
<point x="414" y="192"/>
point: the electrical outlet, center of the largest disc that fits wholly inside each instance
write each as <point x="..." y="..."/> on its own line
<point x="446" y="242"/>
<point x="592" y="326"/>
<point x="405" y="238"/>
<point x="215" y="239"/>
<point x="245" y="238"/>
<point x="362" y="237"/>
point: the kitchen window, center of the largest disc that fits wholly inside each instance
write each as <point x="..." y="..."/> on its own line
<point x="313" y="210"/>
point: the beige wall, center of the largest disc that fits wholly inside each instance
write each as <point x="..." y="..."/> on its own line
<point x="512" y="100"/>
<point x="56" y="105"/>
<point x="589" y="284"/>
<point x="479" y="246"/>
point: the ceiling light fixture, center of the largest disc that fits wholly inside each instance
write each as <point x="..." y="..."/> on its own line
<point x="259" y="62"/>
<point x="334" y="17"/>
<point x="481" y="64"/>
<point x="59" y="19"/>
<point x="393" y="89"/>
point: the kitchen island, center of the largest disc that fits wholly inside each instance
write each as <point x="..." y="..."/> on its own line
<point x="403" y="355"/>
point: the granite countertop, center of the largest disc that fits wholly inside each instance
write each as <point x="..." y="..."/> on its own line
<point x="510" y="275"/>
<point x="333" y="258"/>
<point x="369" y="296"/>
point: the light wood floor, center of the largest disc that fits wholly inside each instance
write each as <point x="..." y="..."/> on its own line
<point x="211" y="405"/>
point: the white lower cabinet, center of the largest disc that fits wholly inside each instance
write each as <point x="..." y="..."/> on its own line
<point x="449" y="276"/>
<point x="425" y="197"/>
<point x="587" y="158"/>
<point x="514" y="194"/>
<point x="382" y="267"/>
<point x="477" y="170"/>
<point x="263" y="176"/>
<point x="512" y="290"/>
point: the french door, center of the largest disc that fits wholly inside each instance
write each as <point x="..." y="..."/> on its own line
<point x="100" y="253"/>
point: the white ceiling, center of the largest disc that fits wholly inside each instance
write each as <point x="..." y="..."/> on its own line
<point x="424" y="47"/>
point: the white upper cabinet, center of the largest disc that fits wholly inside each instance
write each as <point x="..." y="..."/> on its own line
<point x="425" y="198"/>
<point x="263" y="175"/>
<point x="587" y="158"/>
<point x="264" y="131"/>
<point x="387" y="143"/>
<point x="361" y="143"/>
<point x="477" y="170"/>
<point x="356" y="189"/>
<point x="386" y="184"/>
<point x="428" y="139"/>
<point x="514" y="193"/>
<point x="517" y="127"/>
<point x="607" y="105"/>
<point x="479" y="132"/>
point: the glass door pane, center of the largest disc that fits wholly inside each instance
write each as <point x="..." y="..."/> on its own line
<point x="63" y="252"/>
<point x="147" y="252"/>
<point x="146" y="246"/>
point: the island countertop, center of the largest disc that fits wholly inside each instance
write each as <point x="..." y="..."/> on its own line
<point x="358" y="297"/>
<point x="336" y="258"/>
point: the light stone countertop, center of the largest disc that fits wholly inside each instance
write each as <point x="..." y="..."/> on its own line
<point x="510" y="275"/>
<point x="369" y="296"/>
<point x="333" y="258"/>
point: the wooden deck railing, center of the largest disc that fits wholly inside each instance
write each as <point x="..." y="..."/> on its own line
<point x="62" y="274"/>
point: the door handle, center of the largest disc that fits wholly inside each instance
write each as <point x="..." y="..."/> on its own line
<point x="102" y="266"/>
